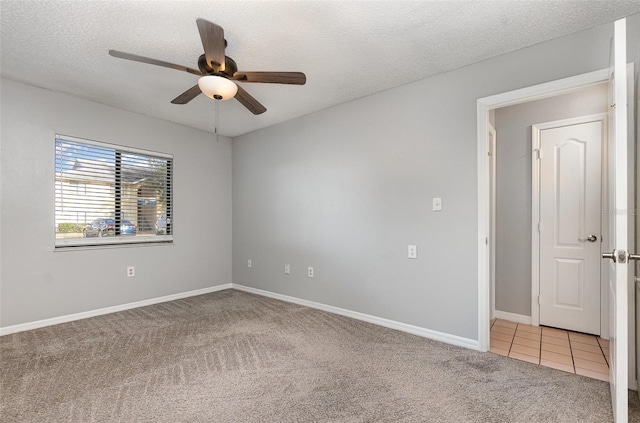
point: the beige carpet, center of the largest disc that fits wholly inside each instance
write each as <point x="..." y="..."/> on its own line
<point x="236" y="357"/>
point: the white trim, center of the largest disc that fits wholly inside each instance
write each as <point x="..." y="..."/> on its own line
<point x="484" y="209"/>
<point x="483" y="106"/>
<point x="107" y="310"/>
<point x="596" y="117"/>
<point x="535" y="226"/>
<point x="68" y="244"/>
<point x="535" y="203"/>
<point x="493" y="148"/>
<point x="548" y="89"/>
<point x="415" y="330"/>
<point x="513" y="317"/>
<point x="67" y="248"/>
<point x="392" y="324"/>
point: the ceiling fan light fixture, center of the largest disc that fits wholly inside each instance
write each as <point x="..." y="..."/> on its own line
<point x="217" y="87"/>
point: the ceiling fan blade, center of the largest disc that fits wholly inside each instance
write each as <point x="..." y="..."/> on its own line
<point x="187" y="96"/>
<point x="296" y="78"/>
<point x="136" y="58"/>
<point x="212" y="37"/>
<point x="249" y="102"/>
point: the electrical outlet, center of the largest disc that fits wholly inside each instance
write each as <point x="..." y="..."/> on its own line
<point x="287" y="269"/>
<point x="249" y="263"/>
<point x="310" y="272"/>
<point x="131" y="271"/>
<point x="412" y="252"/>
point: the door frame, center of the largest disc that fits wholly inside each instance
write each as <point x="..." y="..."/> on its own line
<point x="492" y="144"/>
<point x="484" y="106"/>
<point x="535" y="216"/>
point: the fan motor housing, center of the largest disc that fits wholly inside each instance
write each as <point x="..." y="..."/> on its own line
<point x="230" y="67"/>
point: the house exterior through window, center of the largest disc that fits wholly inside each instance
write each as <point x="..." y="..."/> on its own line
<point x="109" y="194"/>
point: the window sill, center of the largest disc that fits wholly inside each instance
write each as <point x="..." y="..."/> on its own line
<point x="88" y="244"/>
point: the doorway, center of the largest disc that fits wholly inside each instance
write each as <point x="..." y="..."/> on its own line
<point x="485" y="108"/>
<point x="485" y="105"/>
<point x="514" y="235"/>
<point x="557" y="152"/>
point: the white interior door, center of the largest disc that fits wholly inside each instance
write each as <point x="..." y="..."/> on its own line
<point x="617" y="216"/>
<point x="570" y="223"/>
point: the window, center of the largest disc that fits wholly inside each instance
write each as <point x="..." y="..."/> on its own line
<point x="108" y="194"/>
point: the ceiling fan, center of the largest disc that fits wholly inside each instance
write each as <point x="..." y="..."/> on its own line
<point x="217" y="71"/>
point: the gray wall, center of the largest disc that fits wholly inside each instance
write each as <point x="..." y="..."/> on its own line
<point x="38" y="282"/>
<point x="513" y="187"/>
<point x="346" y="189"/>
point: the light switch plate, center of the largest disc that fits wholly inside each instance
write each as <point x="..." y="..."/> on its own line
<point x="437" y="204"/>
<point x="412" y="252"/>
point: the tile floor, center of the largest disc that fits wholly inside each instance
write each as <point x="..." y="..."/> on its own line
<point x="572" y="352"/>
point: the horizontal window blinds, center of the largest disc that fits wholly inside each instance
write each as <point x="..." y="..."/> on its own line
<point x="107" y="194"/>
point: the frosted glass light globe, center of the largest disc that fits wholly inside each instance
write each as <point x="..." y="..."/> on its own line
<point x="217" y="87"/>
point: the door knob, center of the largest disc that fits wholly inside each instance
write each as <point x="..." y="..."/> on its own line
<point x="591" y="238"/>
<point x="621" y="257"/>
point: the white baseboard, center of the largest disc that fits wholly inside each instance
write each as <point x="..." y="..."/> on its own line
<point x="414" y="330"/>
<point x="513" y="317"/>
<point x="92" y="313"/>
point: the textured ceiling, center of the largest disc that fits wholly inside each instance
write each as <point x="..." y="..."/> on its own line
<point x="348" y="49"/>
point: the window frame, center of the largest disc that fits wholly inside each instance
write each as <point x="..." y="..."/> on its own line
<point x="114" y="241"/>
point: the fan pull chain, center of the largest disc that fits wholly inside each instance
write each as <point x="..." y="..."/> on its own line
<point x="217" y="102"/>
